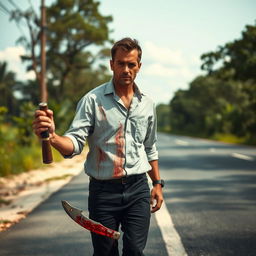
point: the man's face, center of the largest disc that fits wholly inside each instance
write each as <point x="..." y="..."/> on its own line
<point x="125" y="67"/>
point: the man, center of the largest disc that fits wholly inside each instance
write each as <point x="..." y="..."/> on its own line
<point x="119" y="123"/>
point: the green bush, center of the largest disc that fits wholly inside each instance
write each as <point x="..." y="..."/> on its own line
<point x="16" y="158"/>
<point x="229" y="138"/>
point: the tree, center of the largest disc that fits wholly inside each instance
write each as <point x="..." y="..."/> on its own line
<point x="224" y="100"/>
<point x="73" y="26"/>
<point x="7" y="84"/>
<point x="235" y="60"/>
<point x="163" y="114"/>
<point x="186" y="116"/>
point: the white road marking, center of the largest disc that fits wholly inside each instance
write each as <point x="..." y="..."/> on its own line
<point x="170" y="236"/>
<point x="181" y="142"/>
<point x="241" y="156"/>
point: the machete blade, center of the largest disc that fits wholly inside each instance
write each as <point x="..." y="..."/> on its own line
<point x="96" y="227"/>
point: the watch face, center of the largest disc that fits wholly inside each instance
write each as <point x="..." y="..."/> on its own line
<point x="158" y="182"/>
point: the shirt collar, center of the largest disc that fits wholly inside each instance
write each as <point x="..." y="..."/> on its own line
<point x="137" y="92"/>
<point x="109" y="89"/>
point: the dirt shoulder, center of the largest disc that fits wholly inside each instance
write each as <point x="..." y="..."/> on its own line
<point x="20" y="194"/>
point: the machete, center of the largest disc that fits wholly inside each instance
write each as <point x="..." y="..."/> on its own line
<point x="96" y="227"/>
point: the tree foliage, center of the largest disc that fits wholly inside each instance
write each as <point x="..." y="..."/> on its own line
<point x="7" y="85"/>
<point x="237" y="58"/>
<point x="224" y="100"/>
<point x="163" y="123"/>
<point x="73" y="27"/>
<point x="77" y="41"/>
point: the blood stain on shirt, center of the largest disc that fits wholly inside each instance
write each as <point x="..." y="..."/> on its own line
<point x="119" y="157"/>
<point x="101" y="156"/>
<point x="103" y="113"/>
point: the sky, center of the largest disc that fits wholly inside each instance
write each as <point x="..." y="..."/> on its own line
<point x="173" y="35"/>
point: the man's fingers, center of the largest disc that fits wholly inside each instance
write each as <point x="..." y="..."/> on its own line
<point x="40" y="113"/>
<point x="156" y="201"/>
<point x="39" y="131"/>
<point x="41" y="125"/>
<point x="49" y="113"/>
<point x="157" y="206"/>
<point x="41" y="118"/>
<point x="42" y="121"/>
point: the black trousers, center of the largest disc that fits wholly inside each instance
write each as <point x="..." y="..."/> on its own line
<point x="115" y="205"/>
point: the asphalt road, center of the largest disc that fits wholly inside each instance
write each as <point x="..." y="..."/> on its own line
<point x="210" y="194"/>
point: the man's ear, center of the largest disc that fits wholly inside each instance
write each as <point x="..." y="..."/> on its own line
<point x="111" y="63"/>
<point x="139" y="67"/>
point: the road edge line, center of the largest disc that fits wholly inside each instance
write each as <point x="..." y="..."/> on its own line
<point x="170" y="236"/>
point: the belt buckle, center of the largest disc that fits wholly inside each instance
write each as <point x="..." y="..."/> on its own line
<point x="123" y="180"/>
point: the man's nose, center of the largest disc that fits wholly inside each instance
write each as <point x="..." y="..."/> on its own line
<point x="126" y="68"/>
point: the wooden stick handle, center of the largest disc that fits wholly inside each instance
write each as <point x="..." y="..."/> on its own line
<point x="46" y="146"/>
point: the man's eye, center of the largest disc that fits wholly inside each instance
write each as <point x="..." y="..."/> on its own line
<point x="132" y="65"/>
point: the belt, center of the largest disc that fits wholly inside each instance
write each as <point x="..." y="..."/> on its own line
<point x="123" y="180"/>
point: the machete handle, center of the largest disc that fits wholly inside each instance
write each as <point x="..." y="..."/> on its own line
<point x="45" y="140"/>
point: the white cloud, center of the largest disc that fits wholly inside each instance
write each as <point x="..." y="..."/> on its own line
<point x="30" y="75"/>
<point x="12" y="53"/>
<point x="12" y="56"/>
<point x="160" y="70"/>
<point x="163" y="55"/>
<point x="166" y="62"/>
<point x="164" y="71"/>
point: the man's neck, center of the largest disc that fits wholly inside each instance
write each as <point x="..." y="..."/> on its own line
<point x="125" y="93"/>
<point x="124" y="90"/>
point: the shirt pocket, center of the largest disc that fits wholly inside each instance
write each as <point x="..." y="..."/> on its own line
<point x="140" y="130"/>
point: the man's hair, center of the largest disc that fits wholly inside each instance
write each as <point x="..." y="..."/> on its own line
<point x="126" y="44"/>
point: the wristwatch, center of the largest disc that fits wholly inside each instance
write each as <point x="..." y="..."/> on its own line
<point x="161" y="182"/>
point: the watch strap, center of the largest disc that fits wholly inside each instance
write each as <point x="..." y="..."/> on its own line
<point x="161" y="182"/>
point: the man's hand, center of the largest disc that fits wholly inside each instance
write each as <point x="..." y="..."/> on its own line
<point x="156" y="198"/>
<point x="43" y="121"/>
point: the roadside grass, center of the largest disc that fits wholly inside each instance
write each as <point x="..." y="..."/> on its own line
<point x="4" y="222"/>
<point x="229" y="138"/>
<point x="222" y="137"/>
<point x="17" y="157"/>
<point x="62" y="177"/>
<point x="4" y="201"/>
<point x="23" y="159"/>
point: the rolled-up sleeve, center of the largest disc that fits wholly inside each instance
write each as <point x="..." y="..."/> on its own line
<point x="151" y="138"/>
<point x="81" y="126"/>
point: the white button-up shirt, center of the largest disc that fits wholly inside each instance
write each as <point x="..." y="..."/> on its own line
<point x="121" y="141"/>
